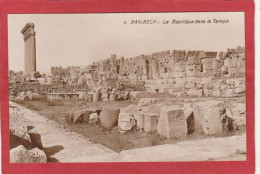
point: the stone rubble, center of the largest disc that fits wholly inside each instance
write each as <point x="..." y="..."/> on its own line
<point x="207" y="116"/>
<point x="180" y="73"/>
<point x="109" y="117"/>
<point x="172" y="123"/>
<point x="25" y="145"/>
<point x="166" y="117"/>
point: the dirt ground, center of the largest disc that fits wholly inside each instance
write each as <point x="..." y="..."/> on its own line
<point x="56" y="110"/>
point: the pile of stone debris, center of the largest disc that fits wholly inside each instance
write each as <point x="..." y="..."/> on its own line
<point x="178" y="120"/>
<point x="29" y="96"/>
<point x="25" y="145"/>
<point x="104" y="94"/>
<point x="166" y="117"/>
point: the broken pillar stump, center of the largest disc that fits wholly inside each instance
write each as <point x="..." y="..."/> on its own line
<point x="150" y="122"/>
<point x="139" y="117"/>
<point x="96" y="97"/>
<point x="109" y="117"/>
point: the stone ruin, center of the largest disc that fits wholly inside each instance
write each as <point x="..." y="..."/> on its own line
<point x="166" y="117"/>
<point x="180" y="73"/>
<point x="25" y="142"/>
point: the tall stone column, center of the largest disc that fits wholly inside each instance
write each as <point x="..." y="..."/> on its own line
<point x="29" y="48"/>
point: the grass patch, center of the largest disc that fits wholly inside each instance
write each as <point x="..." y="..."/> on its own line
<point x="54" y="103"/>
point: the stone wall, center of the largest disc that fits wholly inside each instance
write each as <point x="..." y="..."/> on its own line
<point x="177" y="72"/>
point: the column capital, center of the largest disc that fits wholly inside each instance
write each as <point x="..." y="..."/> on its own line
<point x="28" y="31"/>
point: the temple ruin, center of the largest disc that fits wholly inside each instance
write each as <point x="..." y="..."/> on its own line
<point x="149" y="99"/>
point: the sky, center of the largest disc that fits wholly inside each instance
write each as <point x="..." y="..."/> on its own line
<point x="80" y="39"/>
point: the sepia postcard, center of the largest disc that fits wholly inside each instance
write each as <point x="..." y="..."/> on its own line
<point x="174" y="88"/>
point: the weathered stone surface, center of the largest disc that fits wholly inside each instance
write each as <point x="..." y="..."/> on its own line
<point x="132" y="108"/>
<point x="112" y="97"/>
<point x="96" y="96"/>
<point x="139" y="117"/>
<point x="154" y="73"/>
<point x="150" y="122"/>
<point x="37" y="156"/>
<point x="109" y="117"/>
<point x="194" y="92"/>
<point x="216" y="93"/>
<point x="223" y="88"/>
<point x="93" y="118"/>
<point x="179" y="94"/>
<point x="239" y="113"/>
<point x="240" y="90"/>
<point x="27" y="97"/>
<point x="227" y="122"/>
<point x="229" y="113"/>
<point x="155" y="108"/>
<point x="126" y="121"/>
<point x="172" y="123"/>
<point x="29" y="94"/>
<point x="125" y="126"/>
<point x="18" y="130"/>
<point x="19" y="155"/>
<point x="105" y="96"/>
<point x="82" y="115"/>
<point x="239" y="108"/>
<point x="238" y="83"/>
<point x="70" y="115"/>
<point x="208" y="92"/>
<point x="230" y="93"/>
<point x="146" y="101"/>
<point x="208" y="116"/>
<point x="138" y="94"/>
<point x="187" y="111"/>
<point x="89" y="97"/>
<point x="82" y="95"/>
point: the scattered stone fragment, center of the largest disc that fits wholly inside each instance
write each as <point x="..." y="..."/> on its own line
<point x="146" y="101"/>
<point x="109" y="117"/>
<point x="37" y="156"/>
<point x="18" y="130"/>
<point x="89" y="97"/>
<point x="172" y="123"/>
<point x="132" y="108"/>
<point x="96" y="96"/>
<point x="126" y="121"/>
<point x="93" y="118"/>
<point x="207" y="116"/>
<point x="19" y="155"/>
<point x="112" y="97"/>
<point x="82" y="115"/>
<point x="239" y="113"/>
<point x="150" y="122"/>
<point x="139" y="117"/>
